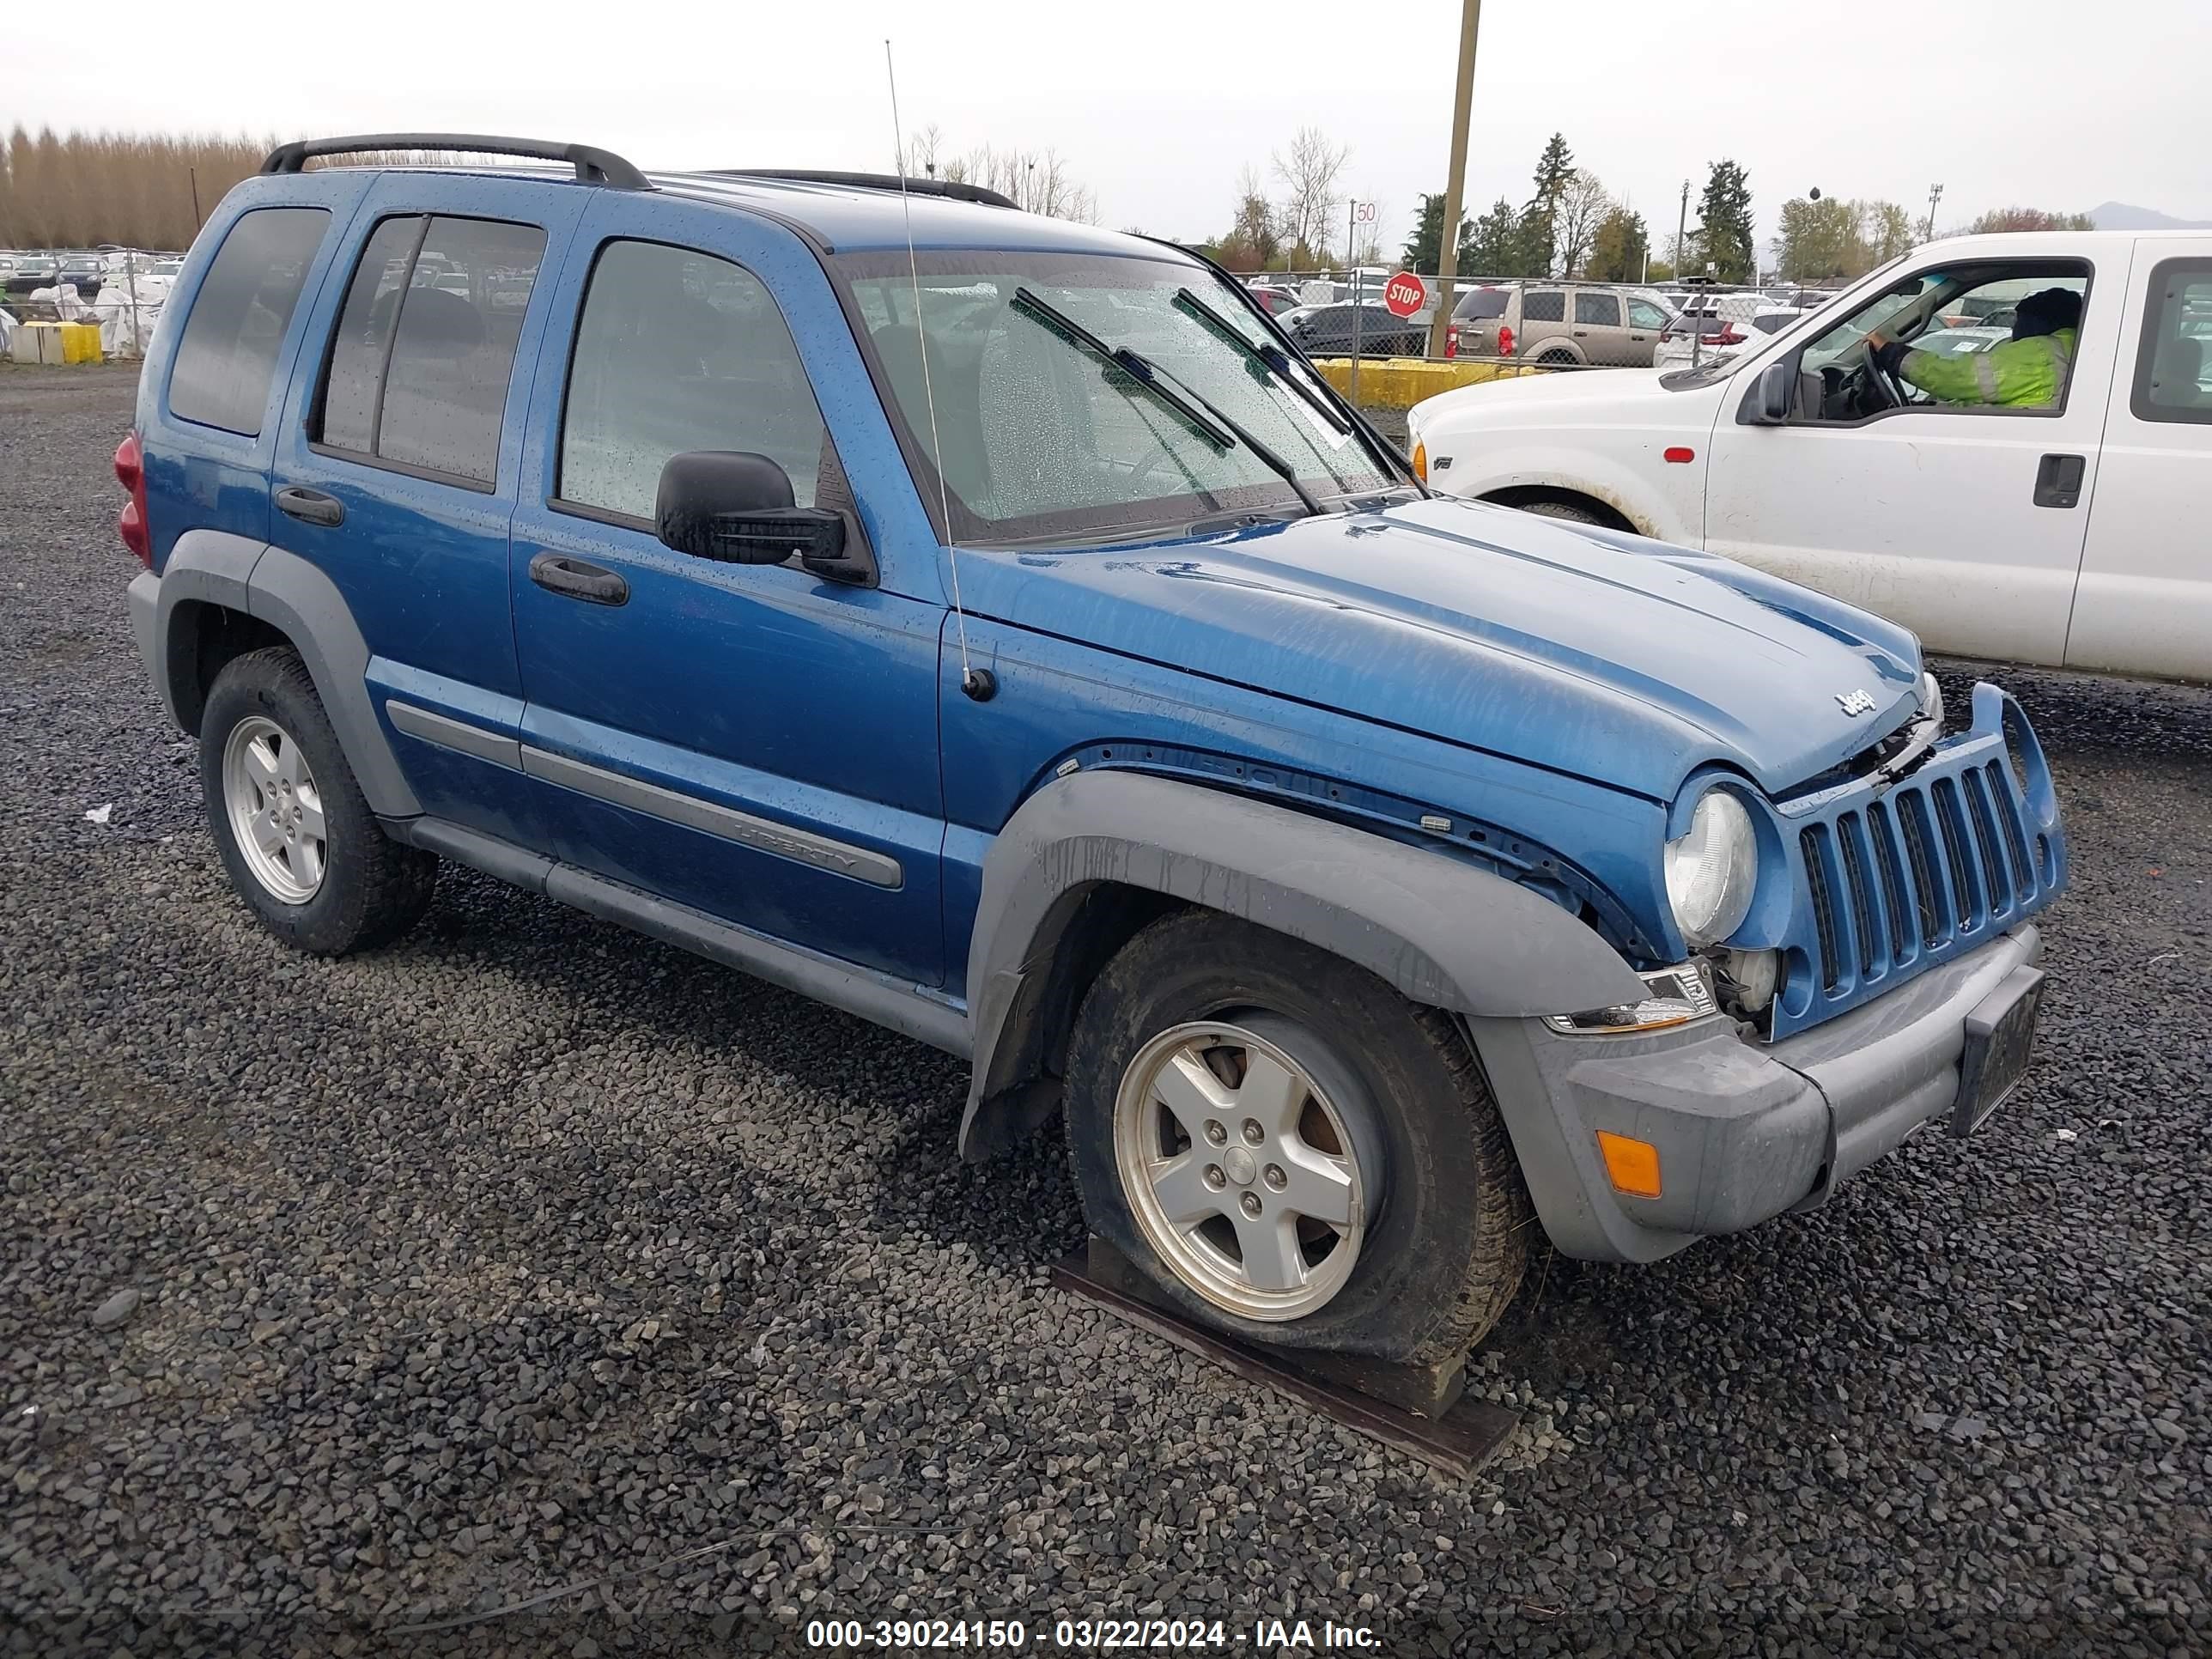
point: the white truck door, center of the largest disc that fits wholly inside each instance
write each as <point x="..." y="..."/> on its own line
<point x="2144" y="606"/>
<point x="1965" y="523"/>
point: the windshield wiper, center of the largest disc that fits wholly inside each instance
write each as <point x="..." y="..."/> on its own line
<point x="1225" y="435"/>
<point x="1135" y="368"/>
<point x="1288" y="473"/>
<point x="1272" y="358"/>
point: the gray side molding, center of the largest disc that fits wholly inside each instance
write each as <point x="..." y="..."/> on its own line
<point x="1444" y="933"/>
<point x="212" y="567"/>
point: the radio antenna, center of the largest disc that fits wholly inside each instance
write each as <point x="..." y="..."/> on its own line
<point x="978" y="683"/>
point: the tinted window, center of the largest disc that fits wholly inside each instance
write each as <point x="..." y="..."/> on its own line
<point x="1545" y="306"/>
<point x="430" y="390"/>
<point x="1601" y="310"/>
<point x="1771" y="324"/>
<point x="679" y="351"/>
<point x="365" y="334"/>
<point x="228" y="352"/>
<point x="2173" y="369"/>
<point x="1481" y="302"/>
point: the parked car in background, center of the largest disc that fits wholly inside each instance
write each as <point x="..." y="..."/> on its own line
<point x="1371" y="886"/>
<point x="1614" y="326"/>
<point x="1696" y="336"/>
<point x="2068" y="533"/>
<point x="1327" y="331"/>
<point x="87" y="271"/>
<point x="1274" y="298"/>
<point x="32" y="270"/>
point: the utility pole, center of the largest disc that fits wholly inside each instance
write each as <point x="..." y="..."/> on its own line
<point x="1681" y="227"/>
<point x="1935" y="195"/>
<point x="194" y="174"/>
<point x="1470" y="24"/>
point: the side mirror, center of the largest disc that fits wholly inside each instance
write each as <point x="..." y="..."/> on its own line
<point x="736" y="507"/>
<point x="1773" y="398"/>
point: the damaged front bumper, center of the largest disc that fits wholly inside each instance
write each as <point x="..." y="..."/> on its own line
<point x="1743" y="1130"/>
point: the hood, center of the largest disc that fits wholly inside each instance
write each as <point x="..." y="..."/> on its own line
<point x="1625" y="661"/>
<point x="1513" y="397"/>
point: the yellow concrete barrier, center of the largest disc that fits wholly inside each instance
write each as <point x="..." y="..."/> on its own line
<point x="57" y="342"/>
<point x="1402" y="382"/>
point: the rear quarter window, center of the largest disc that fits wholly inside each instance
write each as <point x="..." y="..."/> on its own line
<point x="227" y="357"/>
<point x="1548" y="306"/>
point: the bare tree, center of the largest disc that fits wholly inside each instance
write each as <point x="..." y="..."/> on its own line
<point x="1309" y="174"/>
<point x="1581" y="211"/>
<point x="1254" y="237"/>
<point x="925" y="151"/>
<point x="1037" y="180"/>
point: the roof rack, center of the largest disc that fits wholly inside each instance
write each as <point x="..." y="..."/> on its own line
<point x="951" y="189"/>
<point x="593" y="166"/>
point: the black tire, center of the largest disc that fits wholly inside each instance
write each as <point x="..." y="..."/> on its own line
<point x="1449" y="1216"/>
<point x="372" y="890"/>
<point x="1563" y="510"/>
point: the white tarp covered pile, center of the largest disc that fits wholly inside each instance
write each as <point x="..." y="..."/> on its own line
<point x="126" y="310"/>
<point x="7" y="331"/>
<point x="67" y="306"/>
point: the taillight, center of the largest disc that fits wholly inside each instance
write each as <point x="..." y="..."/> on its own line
<point x="131" y="473"/>
<point x="1727" y="335"/>
<point x="1504" y="341"/>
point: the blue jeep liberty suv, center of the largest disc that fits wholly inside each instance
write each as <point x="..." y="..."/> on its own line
<point x="993" y="627"/>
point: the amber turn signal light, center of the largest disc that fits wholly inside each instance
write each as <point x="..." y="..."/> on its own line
<point x="1632" y="1165"/>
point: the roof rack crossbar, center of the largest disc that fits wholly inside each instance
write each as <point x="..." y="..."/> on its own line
<point x="593" y="166"/>
<point x="951" y="189"/>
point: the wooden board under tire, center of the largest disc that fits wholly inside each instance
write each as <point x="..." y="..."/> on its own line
<point x="1464" y="1435"/>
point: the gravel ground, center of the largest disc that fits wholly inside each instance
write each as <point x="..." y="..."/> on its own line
<point x="337" y="1298"/>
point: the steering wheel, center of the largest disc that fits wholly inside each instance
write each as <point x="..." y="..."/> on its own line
<point x="1881" y="383"/>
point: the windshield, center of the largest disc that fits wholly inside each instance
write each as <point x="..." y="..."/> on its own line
<point x="1040" y="438"/>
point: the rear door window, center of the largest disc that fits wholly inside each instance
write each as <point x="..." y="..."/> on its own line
<point x="1547" y="305"/>
<point x="2173" y="366"/>
<point x="1597" y="310"/>
<point x="425" y="347"/>
<point x="228" y="356"/>
<point x="678" y="350"/>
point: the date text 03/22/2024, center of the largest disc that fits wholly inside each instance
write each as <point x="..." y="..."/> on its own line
<point x="1093" y="1635"/>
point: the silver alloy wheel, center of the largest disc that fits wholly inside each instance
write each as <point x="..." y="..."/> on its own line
<point x="1239" y="1171"/>
<point x="276" y="811"/>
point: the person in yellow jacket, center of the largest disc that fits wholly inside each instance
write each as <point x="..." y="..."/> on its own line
<point x="2028" y="371"/>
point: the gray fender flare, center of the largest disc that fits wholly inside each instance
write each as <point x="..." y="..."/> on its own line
<point x="1444" y="933"/>
<point x="292" y="596"/>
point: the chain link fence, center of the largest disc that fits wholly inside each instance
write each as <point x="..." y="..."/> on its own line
<point x="1556" y="325"/>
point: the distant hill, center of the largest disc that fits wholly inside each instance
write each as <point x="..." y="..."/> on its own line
<point x="2119" y="216"/>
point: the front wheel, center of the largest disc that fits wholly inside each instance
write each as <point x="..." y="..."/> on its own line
<point x="1289" y="1150"/>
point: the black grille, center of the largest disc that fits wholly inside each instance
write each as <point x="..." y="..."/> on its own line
<point x="1893" y="881"/>
<point x="1912" y="814"/>
<point x="1950" y="820"/>
<point x="1812" y="844"/>
<point x="1862" y="889"/>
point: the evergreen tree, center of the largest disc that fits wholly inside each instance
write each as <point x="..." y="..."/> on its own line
<point x="1540" y="220"/>
<point x="1423" y="250"/>
<point x="1494" y="247"/>
<point x="1617" y="251"/>
<point x="1725" y="208"/>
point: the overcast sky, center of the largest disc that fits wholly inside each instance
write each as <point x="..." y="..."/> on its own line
<point x="1158" y="104"/>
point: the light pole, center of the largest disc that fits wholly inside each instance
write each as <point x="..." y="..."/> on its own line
<point x="1681" y="228"/>
<point x="1935" y="195"/>
<point x="1470" y="24"/>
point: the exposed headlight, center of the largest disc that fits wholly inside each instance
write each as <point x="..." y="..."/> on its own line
<point x="1931" y="699"/>
<point x="1710" y="870"/>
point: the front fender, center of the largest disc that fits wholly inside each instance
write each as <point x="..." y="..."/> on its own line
<point x="1446" y="934"/>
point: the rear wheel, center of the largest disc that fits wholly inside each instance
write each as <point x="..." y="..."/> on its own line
<point x="1556" y="358"/>
<point x="298" y="839"/>
<point x="1289" y="1150"/>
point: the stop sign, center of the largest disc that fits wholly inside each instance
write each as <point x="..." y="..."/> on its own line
<point x="1405" y="293"/>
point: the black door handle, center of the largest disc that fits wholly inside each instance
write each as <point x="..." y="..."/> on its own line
<point x="2058" y="481"/>
<point x="310" y="505"/>
<point x="557" y="573"/>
